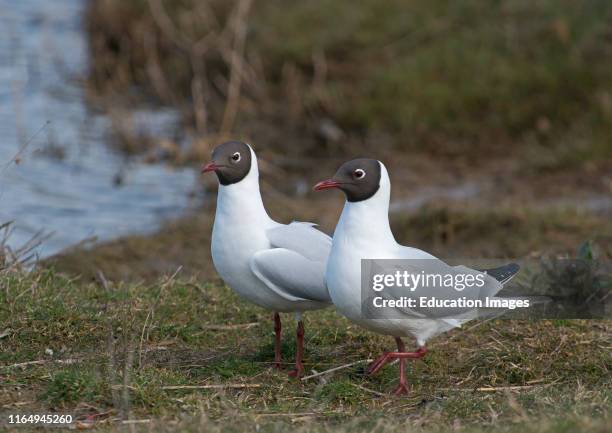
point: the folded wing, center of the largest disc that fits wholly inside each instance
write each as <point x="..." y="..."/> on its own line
<point x="302" y="238"/>
<point x="294" y="267"/>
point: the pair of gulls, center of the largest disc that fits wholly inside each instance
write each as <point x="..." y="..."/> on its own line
<point x="295" y="267"/>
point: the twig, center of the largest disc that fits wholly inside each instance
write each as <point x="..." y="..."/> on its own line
<point x="467" y="377"/>
<point x="230" y="327"/>
<point x="297" y="414"/>
<point x="118" y="387"/>
<point x="503" y="388"/>
<point x="105" y="285"/>
<point x="136" y="421"/>
<point x="371" y="390"/>
<point x="331" y="370"/>
<point x="16" y="404"/>
<point x="216" y="386"/>
<point x="17" y="156"/>
<point x="35" y="240"/>
<point x="535" y="381"/>
<point x="25" y="364"/>
<point x="500" y="388"/>
<point x="22" y="255"/>
<point x="67" y="361"/>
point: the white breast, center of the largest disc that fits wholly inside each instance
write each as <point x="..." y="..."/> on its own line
<point x="363" y="232"/>
<point x="351" y="244"/>
<point x="239" y="233"/>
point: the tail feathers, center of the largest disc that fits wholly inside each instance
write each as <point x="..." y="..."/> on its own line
<point x="503" y="274"/>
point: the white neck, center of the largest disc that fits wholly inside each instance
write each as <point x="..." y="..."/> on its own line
<point x="368" y="220"/>
<point x="243" y="199"/>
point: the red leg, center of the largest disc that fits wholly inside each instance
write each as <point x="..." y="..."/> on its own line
<point x="402" y="355"/>
<point x="386" y="357"/>
<point x="299" y="353"/>
<point x="402" y="388"/>
<point x="380" y="363"/>
<point x="375" y="364"/>
<point x="277" y="341"/>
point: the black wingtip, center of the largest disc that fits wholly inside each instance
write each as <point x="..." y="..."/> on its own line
<point x="504" y="273"/>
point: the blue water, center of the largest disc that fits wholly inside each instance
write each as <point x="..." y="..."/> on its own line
<point x="43" y="57"/>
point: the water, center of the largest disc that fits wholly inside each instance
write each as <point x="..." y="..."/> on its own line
<point x="75" y="196"/>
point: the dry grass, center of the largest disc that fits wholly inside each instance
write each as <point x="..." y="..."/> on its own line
<point x="140" y="333"/>
<point x="23" y="255"/>
<point x="163" y="353"/>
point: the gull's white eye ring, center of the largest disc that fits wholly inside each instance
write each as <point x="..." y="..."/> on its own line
<point x="359" y="173"/>
<point x="236" y="157"/>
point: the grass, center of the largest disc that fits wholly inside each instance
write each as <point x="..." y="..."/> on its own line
<point x="109" y="350"/>
<point x="508" y="376"/>
<point x="440" y="77"/>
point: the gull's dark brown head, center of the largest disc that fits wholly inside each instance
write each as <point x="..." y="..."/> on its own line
<point x="231" y="161"/>
<point x="359" y="179"/>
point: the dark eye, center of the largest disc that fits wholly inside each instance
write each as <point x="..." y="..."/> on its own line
<point x="236" y="157"/>
<point x="359" y="173"/>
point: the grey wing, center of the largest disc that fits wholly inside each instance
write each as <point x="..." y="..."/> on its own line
<point x="291" y="275"/>
<point x="295" y="265"/>
<point x="302" y="238"/>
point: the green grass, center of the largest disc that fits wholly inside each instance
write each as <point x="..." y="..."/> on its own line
<point x="73" y="385"/>
<point x="115" y="348"/>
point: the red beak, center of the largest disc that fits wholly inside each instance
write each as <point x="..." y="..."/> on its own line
<point x="326" y="184"/>
<point x="211" y="166"/>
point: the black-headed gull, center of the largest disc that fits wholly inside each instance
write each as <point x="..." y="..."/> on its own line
<point x="280" y="267"/>
<point x="363" y="232"/>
